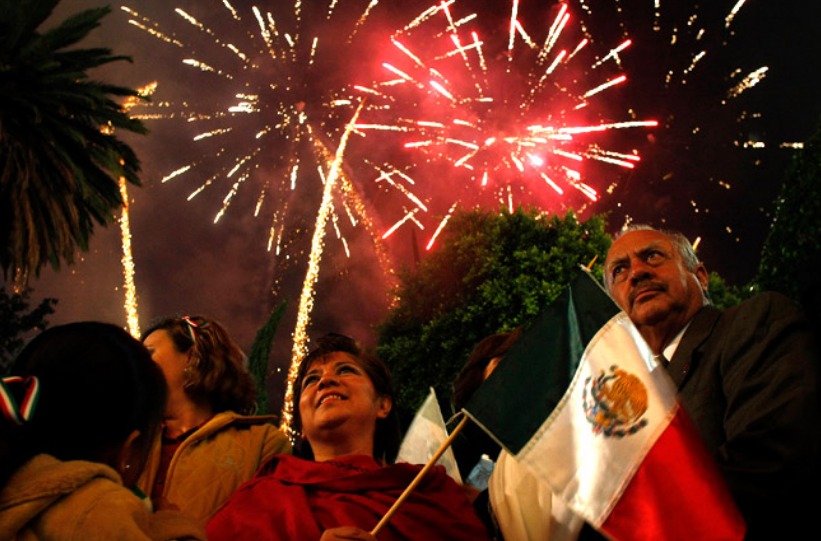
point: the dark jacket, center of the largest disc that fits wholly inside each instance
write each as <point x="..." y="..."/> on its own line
<point x="749" y="379"/>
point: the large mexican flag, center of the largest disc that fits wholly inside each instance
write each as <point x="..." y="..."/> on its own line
<point x="581" y="401"/>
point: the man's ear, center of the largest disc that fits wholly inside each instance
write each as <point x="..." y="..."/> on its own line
<point x="702" y="276"/>
<point x="384" y="404"/>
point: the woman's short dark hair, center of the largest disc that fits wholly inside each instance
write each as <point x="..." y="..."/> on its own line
<point x="386" y="436"/>
<point x="217" y="375"/>
<point x="473" y="372"/>
<point x="473" y="442"/>
<point x="97" y="384"/>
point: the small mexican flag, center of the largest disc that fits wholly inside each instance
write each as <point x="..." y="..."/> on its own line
<point x="581" y="401"/>
<point x="425" y="435"/>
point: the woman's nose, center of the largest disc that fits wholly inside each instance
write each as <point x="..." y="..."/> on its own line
<point x="326" y="379"/>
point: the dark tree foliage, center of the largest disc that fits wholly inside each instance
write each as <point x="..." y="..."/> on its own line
<point x="791" y="255"/>
<point x="60" y="162"/>
<point x="724" y="295"/>
<point x="260" y="355"/>
<point x="17" y="321"/>
<point x="792" y="250"/>
<point x="490" y="272"/>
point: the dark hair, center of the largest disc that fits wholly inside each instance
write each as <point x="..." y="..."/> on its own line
<point x="97" y="384"/>
<point x="387" y="436"/>
<point x="217" y="374"/>
<point x="473" y="372"/>
<point x="473" y="442"/>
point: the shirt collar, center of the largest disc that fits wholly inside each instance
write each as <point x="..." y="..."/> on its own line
<point x="670" y="349"/>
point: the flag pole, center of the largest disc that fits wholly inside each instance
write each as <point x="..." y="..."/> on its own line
<point x="418" y="479"/>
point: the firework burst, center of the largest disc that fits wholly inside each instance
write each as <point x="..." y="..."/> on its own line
<point x="269" y="123"/>
<point x="268" y="118"/>
<point x="504" y="115"/>
<point x="691" y="77"/>
<point x="261" y="114"/>
<point x="549" y="104"/>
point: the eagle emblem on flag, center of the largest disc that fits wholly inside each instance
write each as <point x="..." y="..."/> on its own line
<point x="615" y="402"/>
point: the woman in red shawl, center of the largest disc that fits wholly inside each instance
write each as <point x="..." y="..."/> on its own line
<point x="344" y="401"/>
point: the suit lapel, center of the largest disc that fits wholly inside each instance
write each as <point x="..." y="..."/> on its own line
<point x="686" y="356"/>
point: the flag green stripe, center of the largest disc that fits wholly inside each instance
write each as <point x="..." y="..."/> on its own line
<point x="522" y="392"/>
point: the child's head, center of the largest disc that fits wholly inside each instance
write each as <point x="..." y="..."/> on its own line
<point x="98" y="387"/>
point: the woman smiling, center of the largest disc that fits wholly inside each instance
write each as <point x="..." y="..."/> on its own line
<point x="344" y="400"/>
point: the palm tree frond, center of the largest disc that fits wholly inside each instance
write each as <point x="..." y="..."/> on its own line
<point x="60" y="160"/>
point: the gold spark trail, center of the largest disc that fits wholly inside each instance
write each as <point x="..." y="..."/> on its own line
<point x="306" y="300"/>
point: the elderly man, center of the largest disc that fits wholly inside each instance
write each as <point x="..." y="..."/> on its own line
<point x="747" y="376"/>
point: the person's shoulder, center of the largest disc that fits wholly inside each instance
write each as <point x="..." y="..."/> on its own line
<point x="261" y="429"/>
<point x="44" y="485"/>
<point x="771" y="297"/>
<point x="93" y="503"/>
<point x="767" y="314"/>
<point x="275" y="440"/>
<point x="768" y="303"/>
<point x="230" y="419"/>
<point x="264" y="428"/>
<point x="103" y="509"/>
<point x="44" y="473"/>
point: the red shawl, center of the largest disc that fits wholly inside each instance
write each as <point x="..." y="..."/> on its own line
<point x="296" y="500"/>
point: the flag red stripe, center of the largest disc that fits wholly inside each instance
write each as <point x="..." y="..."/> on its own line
<point x="676" y="474"/>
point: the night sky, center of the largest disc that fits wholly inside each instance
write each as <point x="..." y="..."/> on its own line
<point x="695" y="174"/>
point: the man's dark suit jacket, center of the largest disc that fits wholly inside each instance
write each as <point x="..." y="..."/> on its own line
<point x="749" y="378"/>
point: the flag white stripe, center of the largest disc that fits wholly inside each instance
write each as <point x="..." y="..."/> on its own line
<point x="590" y="470"/>
<point x="425" y="435"/>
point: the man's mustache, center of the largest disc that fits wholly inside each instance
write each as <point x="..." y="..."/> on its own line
<point x="645" y="286"/>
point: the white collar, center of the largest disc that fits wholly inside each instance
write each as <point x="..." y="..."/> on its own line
<point x="670" y="349"/>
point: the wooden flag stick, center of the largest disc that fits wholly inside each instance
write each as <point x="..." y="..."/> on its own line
<point x="418" y="479"/>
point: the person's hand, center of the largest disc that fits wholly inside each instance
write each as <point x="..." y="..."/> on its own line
<point x="346" y="533"/>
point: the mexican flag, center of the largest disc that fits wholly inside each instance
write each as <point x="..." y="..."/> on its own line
<point x="581" y="401"/>
<point x="425" y="435"/>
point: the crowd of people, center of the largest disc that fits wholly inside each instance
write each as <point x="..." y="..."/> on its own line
<point x="103" y="436"/>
